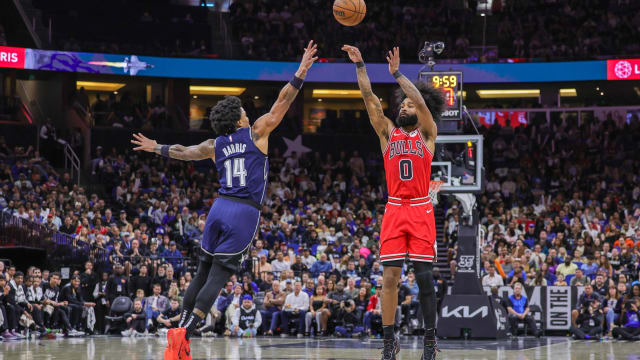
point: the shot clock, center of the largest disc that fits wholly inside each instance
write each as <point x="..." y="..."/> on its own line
<point x="450" y="82"/>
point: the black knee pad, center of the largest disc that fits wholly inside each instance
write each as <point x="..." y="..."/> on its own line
<point x="424" y="277"/>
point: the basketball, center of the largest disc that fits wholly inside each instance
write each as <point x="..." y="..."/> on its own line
<point x="349" y="12"/>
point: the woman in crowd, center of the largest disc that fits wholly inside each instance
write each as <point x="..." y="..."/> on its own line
<point x="316" y="305"/>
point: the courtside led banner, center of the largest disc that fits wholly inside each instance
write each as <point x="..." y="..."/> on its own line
<point x="191" y="68"/>
<point x="11" y="57"/>
<point x="623" y="69"/>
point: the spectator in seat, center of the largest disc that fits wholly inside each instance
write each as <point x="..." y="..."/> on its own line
<point x="374" y="310"/>
<point x="72" y="295"/>
<point x="600" y="286"/>
<point x="518" y="309"/>
<point x="579" y="279"/>
<point x="9" y="324"/>
<point x="247" y="319"/>
<point x="156" y="304"/>
<point x="273" y="303"/>
<point x="316" y="305"/>
<point x="321" y="266"/>
<point x="234" y="301"/>
<point x="296" y="305"/>
<point x="170" y="318"/>
<point x="335" y="304"/>
<point x="279" y="265"/>
<point x="136" y="320"/>
<point x="117" y="285"/>
<point x="630" y="320"/>
<point x="88" y="281"/>
<point x="307" y="259"/>
<point x="173" y="256"/>
<point x="566" y="268"/>
<point x="140" y="281"/>
<point x="56" y="310"/>
<point x="560" y="281"/>
<point x="492" y="279"/>
<point x="590" y="322"/>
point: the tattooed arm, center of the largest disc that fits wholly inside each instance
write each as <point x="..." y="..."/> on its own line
<point x="204" y="150"/>
<point x="268" y="122"/>
<point x="381" y="124"/>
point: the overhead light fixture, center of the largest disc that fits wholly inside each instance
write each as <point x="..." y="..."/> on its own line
<point x="195" y="96"/>
<point x="99" y="86"/>
<point x="601" y="93"/>
<point x="568" y="92"/>
<point x="336" y="93"/>
<point x="215" y="90"/>
<point x="256" y="97"/>
<point x="502" y="94"/>
<point x="319" y="100"/>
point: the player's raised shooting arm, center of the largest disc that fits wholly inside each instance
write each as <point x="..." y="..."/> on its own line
<point x="425" y="119"/>
<point x="381" y="124"/>
<point x="202" y="151"/>
<point x="269" y="121"/>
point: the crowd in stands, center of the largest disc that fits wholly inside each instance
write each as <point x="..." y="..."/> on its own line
<point x="524" y="29"/>
<point x="561" y="206"/>
<point x="277" y="30"/>
<point x="3" y="36"/>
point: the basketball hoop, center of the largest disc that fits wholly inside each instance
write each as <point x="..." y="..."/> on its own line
<point x="434" y="189"/>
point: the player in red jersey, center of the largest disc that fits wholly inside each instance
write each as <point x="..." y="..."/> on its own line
<point x="408" y="227"/>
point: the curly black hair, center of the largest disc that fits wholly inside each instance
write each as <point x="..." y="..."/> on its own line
<point x="225" y="115"/>
<point x="433" y="97"/>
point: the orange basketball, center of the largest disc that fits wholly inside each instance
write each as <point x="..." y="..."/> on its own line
<point x="349" y="12"/>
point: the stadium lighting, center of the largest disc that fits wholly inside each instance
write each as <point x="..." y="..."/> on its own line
<point x="215" y="90"/>
<point x="336" y="94"/>
<point x="99" y="86"/>
<point x="502" y="94"/>
<point x="568" y="92"/>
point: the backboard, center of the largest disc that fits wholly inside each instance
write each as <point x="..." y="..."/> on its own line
<point x="458" y="163"/>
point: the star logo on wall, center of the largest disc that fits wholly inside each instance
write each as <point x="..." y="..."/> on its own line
<point x="295" y="146"/>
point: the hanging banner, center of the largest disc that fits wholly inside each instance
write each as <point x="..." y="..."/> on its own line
<point x="556" y="303"/>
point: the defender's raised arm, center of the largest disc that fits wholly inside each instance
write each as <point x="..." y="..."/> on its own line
<point x="269" y="121"/>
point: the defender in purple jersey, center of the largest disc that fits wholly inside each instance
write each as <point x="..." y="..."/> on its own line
<point x="240" y="155"/>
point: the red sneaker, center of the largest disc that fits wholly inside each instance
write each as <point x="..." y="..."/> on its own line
<point x="173" y="343"/>
<point x="185" y="350"/>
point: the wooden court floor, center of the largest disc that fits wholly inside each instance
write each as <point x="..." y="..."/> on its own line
<point x="115" y="348"/>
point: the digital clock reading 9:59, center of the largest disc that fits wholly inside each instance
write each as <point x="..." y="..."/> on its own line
<point x="451" y="85"/>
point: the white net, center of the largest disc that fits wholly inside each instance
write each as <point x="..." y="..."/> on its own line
<point x="434" y="188"/>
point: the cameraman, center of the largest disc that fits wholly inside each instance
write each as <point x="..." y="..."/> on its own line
<point x="350" y="323"/>
<point x="589" y="322"/>
<point x="630" y="319"/>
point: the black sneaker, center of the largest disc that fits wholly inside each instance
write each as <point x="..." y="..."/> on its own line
<point x="430" y="350"/>
<point x="391" y="349"/>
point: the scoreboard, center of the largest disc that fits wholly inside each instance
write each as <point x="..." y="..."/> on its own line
<point x="450" y="82"/>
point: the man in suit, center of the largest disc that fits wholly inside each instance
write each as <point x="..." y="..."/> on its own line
<point x="155" y="305"/>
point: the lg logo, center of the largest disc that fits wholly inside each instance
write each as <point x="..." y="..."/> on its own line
<point x="623" y="69"/>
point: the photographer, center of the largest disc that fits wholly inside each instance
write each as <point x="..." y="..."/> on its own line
<point x="589" y="322"/>
<point x="349" y="322"/>
<point x="583" y="301"/>
<point x="630" y="319"/>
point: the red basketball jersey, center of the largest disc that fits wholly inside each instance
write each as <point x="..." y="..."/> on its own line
<point x="407" y="164"/>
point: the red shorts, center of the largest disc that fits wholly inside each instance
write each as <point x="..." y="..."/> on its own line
<point x="408" y="229"/>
